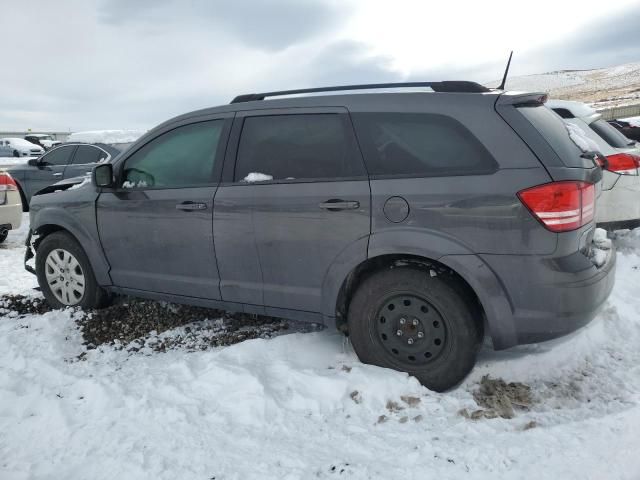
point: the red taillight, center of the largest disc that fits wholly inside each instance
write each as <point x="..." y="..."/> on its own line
<point x="623" y="163"/>
<point x="561" y="206"/>
<point x="7" y="182"/>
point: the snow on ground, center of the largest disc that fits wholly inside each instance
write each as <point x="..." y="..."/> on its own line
<point x="11" y="161"/>
<point x="302" y="406"/>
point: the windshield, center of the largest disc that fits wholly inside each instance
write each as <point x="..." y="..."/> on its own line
<point x="610" y="135"/>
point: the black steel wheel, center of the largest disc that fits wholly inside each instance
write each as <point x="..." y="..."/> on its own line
<point x="408" y="320"/>
<point x="411" y="329"/>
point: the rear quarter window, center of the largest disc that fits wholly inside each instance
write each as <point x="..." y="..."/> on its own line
<point x="420" y="144"/>
<point x="554" y="131"/>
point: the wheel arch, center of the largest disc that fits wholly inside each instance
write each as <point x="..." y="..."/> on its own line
<point x="47" y="221"/>
<point x="389" y="261"/>
<point x="424" y="250"/>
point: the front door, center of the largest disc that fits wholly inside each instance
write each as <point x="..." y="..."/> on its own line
<point x="156" y="226"/>
<point x="50" y="169"/>
<point x="303" y="197"/>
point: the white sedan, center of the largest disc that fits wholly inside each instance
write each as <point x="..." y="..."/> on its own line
<point x="619" y="204"/>
<point x="19" y="147"/>
<point x="10" y="205"/>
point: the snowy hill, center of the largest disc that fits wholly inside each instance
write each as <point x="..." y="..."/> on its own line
<point x="612" y="86"/>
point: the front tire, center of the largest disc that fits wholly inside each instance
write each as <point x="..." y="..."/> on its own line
<point x="16" y="153"/>
<point x="65" y="275"/>
<point x="407" y="320"/>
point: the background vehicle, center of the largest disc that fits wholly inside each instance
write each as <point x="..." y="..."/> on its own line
<point x="65" y="161"/>
<point x="10" y="205"/>
<point x="409" y="221"/>
<point x="19" y="147"/>
<point x="45" y="140"/>
<point x="627" y="129"/>
<point x="619" y="204"/>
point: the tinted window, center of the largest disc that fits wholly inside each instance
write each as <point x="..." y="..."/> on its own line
<point x="88" y="154"/>
<point x="420" y="144"/>
<point x="297" y="147"/>
<point x="554" y="131"/>
<point x="184" y="156"/>
<point x="610" y="135"/>
<point x="58" y="156"/>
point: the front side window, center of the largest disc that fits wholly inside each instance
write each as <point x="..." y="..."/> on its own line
<point x="420" y="144"/>
<point x="295" y="147"/>
<point x="58" y="156"/>
<point x="181" y="157"/>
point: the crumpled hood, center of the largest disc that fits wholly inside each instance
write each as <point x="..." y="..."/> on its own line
<point x="66" y="184"/>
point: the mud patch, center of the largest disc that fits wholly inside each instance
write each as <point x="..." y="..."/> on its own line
<point x="499" y="399"/>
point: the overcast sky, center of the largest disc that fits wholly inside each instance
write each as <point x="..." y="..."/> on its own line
<point x="102" y="64"/>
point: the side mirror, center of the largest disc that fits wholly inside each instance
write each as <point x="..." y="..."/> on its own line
<point x="102" y="175"/>
<point x="34" y="162"/>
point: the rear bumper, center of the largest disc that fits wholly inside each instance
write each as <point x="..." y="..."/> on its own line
<point x="552" y="296"/>
<point x="10" y="210"/>
<point x="533" y="298"/>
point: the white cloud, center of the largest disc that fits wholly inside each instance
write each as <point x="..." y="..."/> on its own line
<point x="100" y="64"/>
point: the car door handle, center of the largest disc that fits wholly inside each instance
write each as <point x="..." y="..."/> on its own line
<point x="335" y="205"/>
<point x="190" y="206"/>
<point x="58" y="174"/>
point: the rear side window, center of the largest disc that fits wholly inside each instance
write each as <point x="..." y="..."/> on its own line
<point x="610" y="135"/>
<point x="295" y="147"/>
<point x="553" y="130"/>
<point x="58" y="156"/>
<point x="420" y="145"/>
<point x="88" y="154"/>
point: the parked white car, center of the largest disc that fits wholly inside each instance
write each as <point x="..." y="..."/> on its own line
<point x="10" y="205"/>
<point x="619" y="204"/>
<point x="45" y="140"/>
<point x="19" y="147"/>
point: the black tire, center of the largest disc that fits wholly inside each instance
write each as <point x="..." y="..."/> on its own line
<point x="442" y="320"/>
<point x="16" y="153"/>
<point x="3" y="235"/>
<point x="93" y="296"/>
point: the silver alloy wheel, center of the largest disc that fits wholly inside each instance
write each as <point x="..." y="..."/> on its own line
<point x="64" y="276"/>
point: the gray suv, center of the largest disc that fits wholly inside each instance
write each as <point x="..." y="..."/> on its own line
<point x="414" y="222"/>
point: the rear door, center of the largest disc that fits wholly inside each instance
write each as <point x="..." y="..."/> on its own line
<point x="50" y="169"/>
<point x="306" y="195"/>
<point x="156" y="226"/>
<point x="84" y="159"/>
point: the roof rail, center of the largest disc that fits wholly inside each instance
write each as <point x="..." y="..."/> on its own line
<point x="446" y="86"/>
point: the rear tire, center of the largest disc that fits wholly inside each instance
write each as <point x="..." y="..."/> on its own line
<point x="427" y="326"/>
<point x="65" y="275"/>
<point x="16" y="153"/>
<point x="3" y="235"/>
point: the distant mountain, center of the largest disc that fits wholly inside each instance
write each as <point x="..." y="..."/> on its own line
<point x="602" y="87"/>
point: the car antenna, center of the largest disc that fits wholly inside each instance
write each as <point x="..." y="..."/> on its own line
<point x="506" y="72"/>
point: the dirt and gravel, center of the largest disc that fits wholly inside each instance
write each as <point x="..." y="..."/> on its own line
<point x="138" y="325"/>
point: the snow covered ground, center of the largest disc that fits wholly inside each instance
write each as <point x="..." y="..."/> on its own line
<point x="301" y="406"/>
<point x="602" y="87"/>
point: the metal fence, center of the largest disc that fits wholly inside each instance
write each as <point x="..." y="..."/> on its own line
<point x="620" y="112"/>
